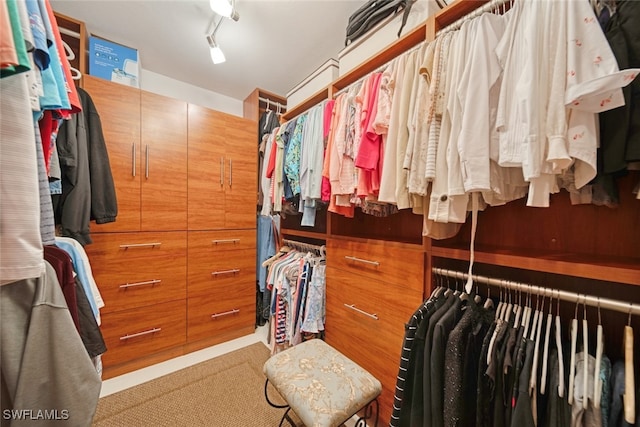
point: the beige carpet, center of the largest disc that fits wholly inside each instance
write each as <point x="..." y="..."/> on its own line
<point x="221" y="392"/>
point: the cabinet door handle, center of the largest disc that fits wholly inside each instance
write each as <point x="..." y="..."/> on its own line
<point x="221" y="171"/>
<point x="148" y="282"/>
<point x="234" y="241"/>
<point x="139" y="334"/>
<point x="226" y="313"/>
<point x="364" y="261"/>
<point x="353" y="307"/>
<point x="133" y="159"/>
<point x="140" y="245"/>
<point x="230" y="172"/>
<point x="146" y="166"/>
<point x="233" y="271"/>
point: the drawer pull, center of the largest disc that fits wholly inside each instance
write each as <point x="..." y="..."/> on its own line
<point x="234" y="241"/>
<point x="141" y="245"/>
<point x="148" y="282"/>
<point x="139" y="334"/>
<point x="233" y="271"/>
<point x="364" y="261"/>
<point x="353" y="307"/>
<point x="226" y="313"/>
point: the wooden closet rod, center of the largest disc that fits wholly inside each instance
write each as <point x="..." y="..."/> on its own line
<point x="606" y="303"/>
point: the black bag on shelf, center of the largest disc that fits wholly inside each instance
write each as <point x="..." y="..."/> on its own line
<point x="371" y="13"/>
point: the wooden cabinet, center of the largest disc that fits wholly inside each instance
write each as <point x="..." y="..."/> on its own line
<point x="368" y="303"/>
<point x="146" y="137"/>
<point x="222" y="181"/>
<point x="119" y="109"/>
<point x="221" y="285"/>
<point x="176" y="167"/>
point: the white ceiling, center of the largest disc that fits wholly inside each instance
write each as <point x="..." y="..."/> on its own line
<point x="274" y="46"/>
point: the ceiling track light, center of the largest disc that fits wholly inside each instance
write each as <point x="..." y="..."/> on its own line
<point x="225" y="8"/>
<point x="217" y="56"/>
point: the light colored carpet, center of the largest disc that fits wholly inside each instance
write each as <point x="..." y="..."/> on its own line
<point x="227" y="391"/>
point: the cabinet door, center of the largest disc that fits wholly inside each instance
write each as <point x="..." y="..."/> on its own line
<point x="164" y="163"/>
<point x="241" y="188"/>
<point x="206" y="175"/>
<point x="119" y="109"/>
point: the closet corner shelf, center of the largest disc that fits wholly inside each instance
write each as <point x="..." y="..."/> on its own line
<point x="611" y="269"/>
<point x="312" y="101"/>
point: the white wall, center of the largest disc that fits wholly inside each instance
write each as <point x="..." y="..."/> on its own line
<point x="166" y="86"/>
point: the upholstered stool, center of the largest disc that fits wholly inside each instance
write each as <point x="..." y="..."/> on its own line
<point x="321" y="385"/>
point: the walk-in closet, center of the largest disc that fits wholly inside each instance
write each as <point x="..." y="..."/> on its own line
<point x="320" y="213"/>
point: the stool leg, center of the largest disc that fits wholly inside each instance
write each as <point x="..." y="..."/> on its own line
<point x="368" y="412"/>
<point x="286" y="413"/>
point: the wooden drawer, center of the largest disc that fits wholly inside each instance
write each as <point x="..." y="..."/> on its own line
<point x="373" y="343"/>
<point x="221" y="311"/>
<point x="392" y="262"/>
<point x="139" y="332"/>
<point x="211" y="268"/>
<point x="216" y="242"/>
<point x="139" y="269"/>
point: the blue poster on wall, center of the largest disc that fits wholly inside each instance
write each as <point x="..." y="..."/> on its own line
<point x="113" y="61"/>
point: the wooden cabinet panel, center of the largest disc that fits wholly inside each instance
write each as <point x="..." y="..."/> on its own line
<point x="164" y="163"/>
<point x="373" y="343"/>
<point x="119" y="109"/>
<point x="138" y="269"/>
<point x="222" y="311"/>
<point x="389" y="261"/>
<point x="241" y="195"/>
<point x="207" y="166"/>
<point x="130" y="334"/>
<point x="211" y="267"/>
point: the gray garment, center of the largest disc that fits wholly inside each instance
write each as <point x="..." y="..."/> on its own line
<point x="47" y="221"/>
<point x="591" y="416"/>
<point x="605" y="377"/>
<point x="616" y="417"/>
<point x="522" y="413"/>
<point x="558" y="409"/>
<point x="44" y="365"/>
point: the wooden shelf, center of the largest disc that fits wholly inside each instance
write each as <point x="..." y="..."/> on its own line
<point x="610" y="269"/>
<point x="303" y="233"/>
<point x="404" y="43"/>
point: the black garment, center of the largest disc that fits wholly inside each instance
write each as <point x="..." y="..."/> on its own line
<point x="461" y="365"/>
<point x="620" y="127"/>
<point x="522" y="413"/>
<point x="438" y="346"/>
<point x="494" y="371"/>
<point x="404" y="381"/>
<point x="508" y="374"/>
<point x="268" y="122"/>
<point x="558" y="409"/>
<point x="89" y="329"/>
<point x="484" y="390"/>
<point x="412" y="407"/>
<point x="426" y="379"/>
<point x="88" y="191"/>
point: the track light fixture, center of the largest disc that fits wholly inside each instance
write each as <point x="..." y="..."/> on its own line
<point x="217" y="56"/>
<point x="225" y="8"/>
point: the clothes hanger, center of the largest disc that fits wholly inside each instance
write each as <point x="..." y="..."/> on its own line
<point x="558" y="326"/>
<point x="629" y="385"/>
<point x="499" y="320"/>
<point x="526" y="318"/>
<point x="545" y="350"/>
<point x="585" y="350"/>
<point x="533" y="379"/>
<point x="75" y="73"/>
<point x="488" y="303"/>
<point x="516" y="323"/>
<point x="509" y="308"/>
<point x="572" y="365"/>
<point x="597" y="382"/>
